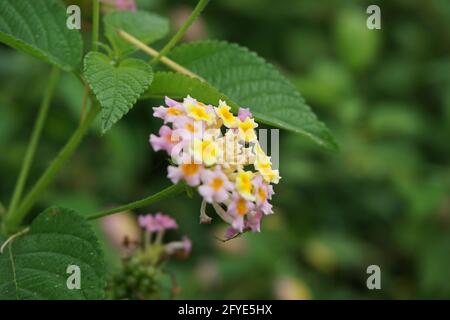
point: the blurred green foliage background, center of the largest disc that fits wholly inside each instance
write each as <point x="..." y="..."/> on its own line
<point x="384" y="199"/>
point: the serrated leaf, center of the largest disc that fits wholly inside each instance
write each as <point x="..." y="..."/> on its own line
<point x="117" y="86"/>
<point x="251" y="82"/>
<point x="38" y="27"/>
<point x="34" y="265"/>
<point x="146" y="27"/>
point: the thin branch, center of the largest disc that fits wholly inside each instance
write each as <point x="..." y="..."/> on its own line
<point x="14" y="220"/>
<point x="11" y="238"/>
<point x="163" y="194"/>
<point x="180" y="33"/>
<point x="231" y="238"/>
<point x="95" y="24"/>
<point x="94" y="47"/>
<point x="84" y="103"/>
<point x="152" y="52"/>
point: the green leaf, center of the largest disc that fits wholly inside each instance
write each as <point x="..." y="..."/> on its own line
<point x="117" y="85"/>
<point x="146" y="27"/>
<point x="38" y="27"/>
<point x="34" y="265"/>
<point x="251" y="82"/>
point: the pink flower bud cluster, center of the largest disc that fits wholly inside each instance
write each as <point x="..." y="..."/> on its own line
<point x="157" y="224"/>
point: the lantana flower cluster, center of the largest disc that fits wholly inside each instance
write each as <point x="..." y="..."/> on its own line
<point x="218" y="153"/>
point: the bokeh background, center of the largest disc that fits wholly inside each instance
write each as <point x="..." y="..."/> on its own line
<point x="384" y="199"/>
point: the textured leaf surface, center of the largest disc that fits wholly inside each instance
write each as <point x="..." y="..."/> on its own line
<point x="251" y="82"/>
<point x="117" y="86"/>
<point x="144" y="26"/>
<point x="38" y="27"/>
<point x="34" y="265"/>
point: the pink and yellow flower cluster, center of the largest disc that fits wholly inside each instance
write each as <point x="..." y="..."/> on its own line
<point x="219" y="154"/>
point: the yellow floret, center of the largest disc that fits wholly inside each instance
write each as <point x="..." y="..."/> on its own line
<point x="241" y="207"/>
<point x="247" y="130"/>
<point x="223" y="111"/>
<point x="270" y="176"/>
<point x="174" y="111"/>
<point x="244" y="184"/>
<point x="262" y="162"/>
<point x="217" y="184"/>
<point x="259" y="150"/>
<point x="199" y="113"/>
<point x="264" y="166"/>
<point x="205" y="151"/>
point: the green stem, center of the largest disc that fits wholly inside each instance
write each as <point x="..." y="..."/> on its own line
<point x="180" y="33"/>
<point x="14" y="220"/>
<point x="2" y="212"/>
<point x="163" y="194"/>
<point x="94" y="47"/>
<point x="95" y="23"/>
<point x="35" y="136"/>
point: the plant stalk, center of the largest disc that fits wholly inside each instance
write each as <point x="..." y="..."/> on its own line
<point x="180" y="33"/>
<point x="163" y="194"/>
<point x="94" y="47"/>
<point x="152" y="52"/>
<point x="34" y="140"/>
<point x="95" y="24"/>
<point x="2" y="211"/>
<point x="15" y="219"/>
